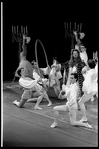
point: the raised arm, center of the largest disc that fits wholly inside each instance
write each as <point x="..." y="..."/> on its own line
<point x="68" y="80"/>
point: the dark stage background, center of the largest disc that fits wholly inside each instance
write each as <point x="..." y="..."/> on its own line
<point x="49" y="30"/>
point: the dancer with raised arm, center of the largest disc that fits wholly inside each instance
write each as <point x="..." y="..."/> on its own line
<point x="28" y="82"/>
<point x="55" y="76"/>
<point x="76" y="65"/>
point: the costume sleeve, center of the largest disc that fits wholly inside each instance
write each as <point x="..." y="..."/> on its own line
<point x="70" y="70"/>
<point x="45" y="70"/>
<point x="27" y="83"/>
<point x="36" y="76"/>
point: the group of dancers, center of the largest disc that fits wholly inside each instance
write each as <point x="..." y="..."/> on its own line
<point x="80" y="85"/>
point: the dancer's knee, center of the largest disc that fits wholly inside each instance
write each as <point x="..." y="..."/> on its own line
<point x="55" y="108"/>
<point x="73" y="123"/>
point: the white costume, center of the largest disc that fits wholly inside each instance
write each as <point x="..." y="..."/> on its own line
<point x="84" y="57"/>
<point x="30" y="84"/>
<point x="45" y="70"/>
<point x="71" y="92"/>
<point x="35" y="75"/>
<point x="96" y="68"/>
<point x="90" y="82"/>
<point x="74" y="69"/>
<point x="54" y="76"/>
<point x="27" y="82"/>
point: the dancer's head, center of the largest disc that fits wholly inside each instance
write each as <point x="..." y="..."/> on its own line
<point x="91" y="63"/>
<point x="83" y="49"/>
<point x="22" y="56"/>
<point x="75" y="57"/>
<point x="75" y="53"/>
<point x="21" y="72"/>
<point x="35" y="65"/>
<point x="73" y="78"/>
<point x="54" y="60"/>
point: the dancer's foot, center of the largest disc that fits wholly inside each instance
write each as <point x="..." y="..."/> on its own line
<point x="83" y="120"/>
<point x="49" y="104"/>
<point x="37" y="108"/>
<point x="16" y="103"/>
<point x="54" y="125"/>
<point x="88" y="126"/>
<point x="92" y="99"/>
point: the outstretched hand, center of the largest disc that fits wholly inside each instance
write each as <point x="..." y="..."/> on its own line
<point x="75" y="33"/>
<point x="24" y="36"/>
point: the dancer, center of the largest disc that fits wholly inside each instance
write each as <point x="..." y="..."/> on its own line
<point x="79" y="46"/>
<point x="76" y="65"/>
<point x="24" y="63"/>
<point x="55" y="76"/>
<point x="83" y="53"/>
<point x="42" y="84"/>
<point x="31" y="89"/>
<point x="90" y="88"/>
<point x="26" y="78"/>
<point x="71" y="93"/>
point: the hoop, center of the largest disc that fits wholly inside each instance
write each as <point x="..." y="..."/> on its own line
<point x="37" y="57"/>
<point x="43" y="51"/>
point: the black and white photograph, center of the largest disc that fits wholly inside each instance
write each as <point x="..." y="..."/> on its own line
<point x="49" y="77"/>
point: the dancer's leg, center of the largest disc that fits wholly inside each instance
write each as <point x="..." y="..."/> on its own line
<point x="40" y="96"/>
<point x="32" y="99"/>
<point x="57" y="89"/>
<point x="56" y="114"/>
<point x="47" y="98"/>
<point x="25" y="96"/>
<point x="39" y="99"/>
<point x="21" y="103"/>
<point x="73" y="121"/>
<point x="84" y="99"/>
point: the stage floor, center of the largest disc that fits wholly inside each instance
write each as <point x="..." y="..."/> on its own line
<point x="29" y="127"/>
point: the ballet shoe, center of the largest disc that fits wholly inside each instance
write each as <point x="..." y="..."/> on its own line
<point x="83" y="120"/>
<point x="15" y="102"/>
<point x="88" y="126"/>
<point x="37" y="108"/>
<point x="92" y="99"/>
<point x="49" y="104"/>
<point x="54" y="125"/>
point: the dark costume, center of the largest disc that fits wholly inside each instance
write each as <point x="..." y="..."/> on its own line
<point x="79" y="65"/>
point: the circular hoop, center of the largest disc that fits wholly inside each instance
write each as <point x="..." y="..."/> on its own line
<point x="36" y="54"/>
<point x="45" y="58"/>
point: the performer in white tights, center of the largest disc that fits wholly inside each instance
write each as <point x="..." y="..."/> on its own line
<point x="83" y="53"/>
<point x="71" y="93"/>
<point x="55" y="76"/>
<point x="90" y="87"/>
